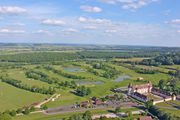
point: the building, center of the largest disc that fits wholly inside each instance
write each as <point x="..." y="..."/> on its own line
<point x="98" y="102"/>
<point x="85" y="104"/>
<point x="142" y="89"/>
<point x="141" y="92"/>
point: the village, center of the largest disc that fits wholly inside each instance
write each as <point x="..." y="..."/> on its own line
<point x="131" y="96"/>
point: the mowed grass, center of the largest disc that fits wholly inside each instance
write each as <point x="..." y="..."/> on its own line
<point x="88" y="75"/>
<point x="19" y="74"/>
<point x="171" y="111"/>
<point x="168" y="108"/>
<point x="13" y="98"/>
<point x="67" y="97"/>
<point x="154" y="78"/>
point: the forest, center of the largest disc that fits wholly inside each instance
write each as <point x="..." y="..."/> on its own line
<point x="168" y="59"/>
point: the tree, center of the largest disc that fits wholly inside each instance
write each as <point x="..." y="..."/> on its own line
<point x="161" y="84"/>
<point x="44" y="107"/>
<point x="26" y="111"/>
<point x="88" y="91"/>
<point x="82" y="91"/>
<point x="12" y="113"/>
<point x="32" y="109"/>
<point x="173" y="83"/>
<point x="19" y="110"/>
<point x="130" y="116"/>
<point x="76" y="117"/>
<point x="87" y="115"/>
<point x="5" y="116"/>
<point x="177" y="73"/>
<point x="166" y="117"/>
<point x="149" y="104"/>
<point x="118" y="109"/>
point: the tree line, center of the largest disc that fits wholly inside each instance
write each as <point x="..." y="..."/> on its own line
<point x="8" y="114"/>
<point x="80" y="91"/>
<point x="167" y="59"/>
<point x="18" y="84"/>
<point x="37" y="75"/>
<point x="109" y="54"/>
<point x="37" y="57"/>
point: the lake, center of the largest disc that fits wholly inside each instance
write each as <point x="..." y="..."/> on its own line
<point x="73" y="70"/>
<point x="121" y="78"/>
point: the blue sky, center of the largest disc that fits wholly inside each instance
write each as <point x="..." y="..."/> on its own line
<point x="122" y="22"/>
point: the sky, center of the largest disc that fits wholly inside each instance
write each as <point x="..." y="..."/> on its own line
<point x="119" y="22"/>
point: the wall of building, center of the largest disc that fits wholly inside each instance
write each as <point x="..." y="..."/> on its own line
<point x="138" y="98"/>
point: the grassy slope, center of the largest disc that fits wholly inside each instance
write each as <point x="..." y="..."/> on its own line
<point x="19" y="74"/>
<point x="69" y="98"/>
<point x="12" y="98"/>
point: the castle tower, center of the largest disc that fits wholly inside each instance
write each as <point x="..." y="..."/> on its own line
<point x="129" y="88"/>
<point x="173" y="96"/>
<point x="149" y="86"/>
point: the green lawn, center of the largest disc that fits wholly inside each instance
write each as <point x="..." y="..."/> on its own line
<point x="170" y="109"/>
<point x="11" y="101"/>
<point x="19" y="74"/>
<point x="13" y="98"/>
<point x="154" y="78"/>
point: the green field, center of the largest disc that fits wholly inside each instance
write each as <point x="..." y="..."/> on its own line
<point x="13" y="98"/>
<point x="92" y="69"/>
<point x="67" y="97"/>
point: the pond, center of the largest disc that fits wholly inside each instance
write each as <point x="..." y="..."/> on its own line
<point x="73" y="70"/>
<point x="86" y="83"/>
<point x="121" y="78"/>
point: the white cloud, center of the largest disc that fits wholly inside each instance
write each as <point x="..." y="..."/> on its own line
<point x="110" y="31"/>
<point x="176" y="21"/>
<point x="178" y="31"/>
<point x="109" y="1"/>
<point x="42" y="32"/>
<point x="11" y="31"/>
<point x="53" y="22"/>
<point x="130" y="4"/>
<point x="93" y="9"/>
<point x="19" y="24"/>
<point x="70" y="30"/>
<point x="82" y="19"/>
<point x="96" y="21"/>
<point x="11" y="10"/>
<point x="90" y="27"/>
<point x="136" y="4"/>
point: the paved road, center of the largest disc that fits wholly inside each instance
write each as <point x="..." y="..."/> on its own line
<point x="70" y="108"/>
<point x="49" y="112"/>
